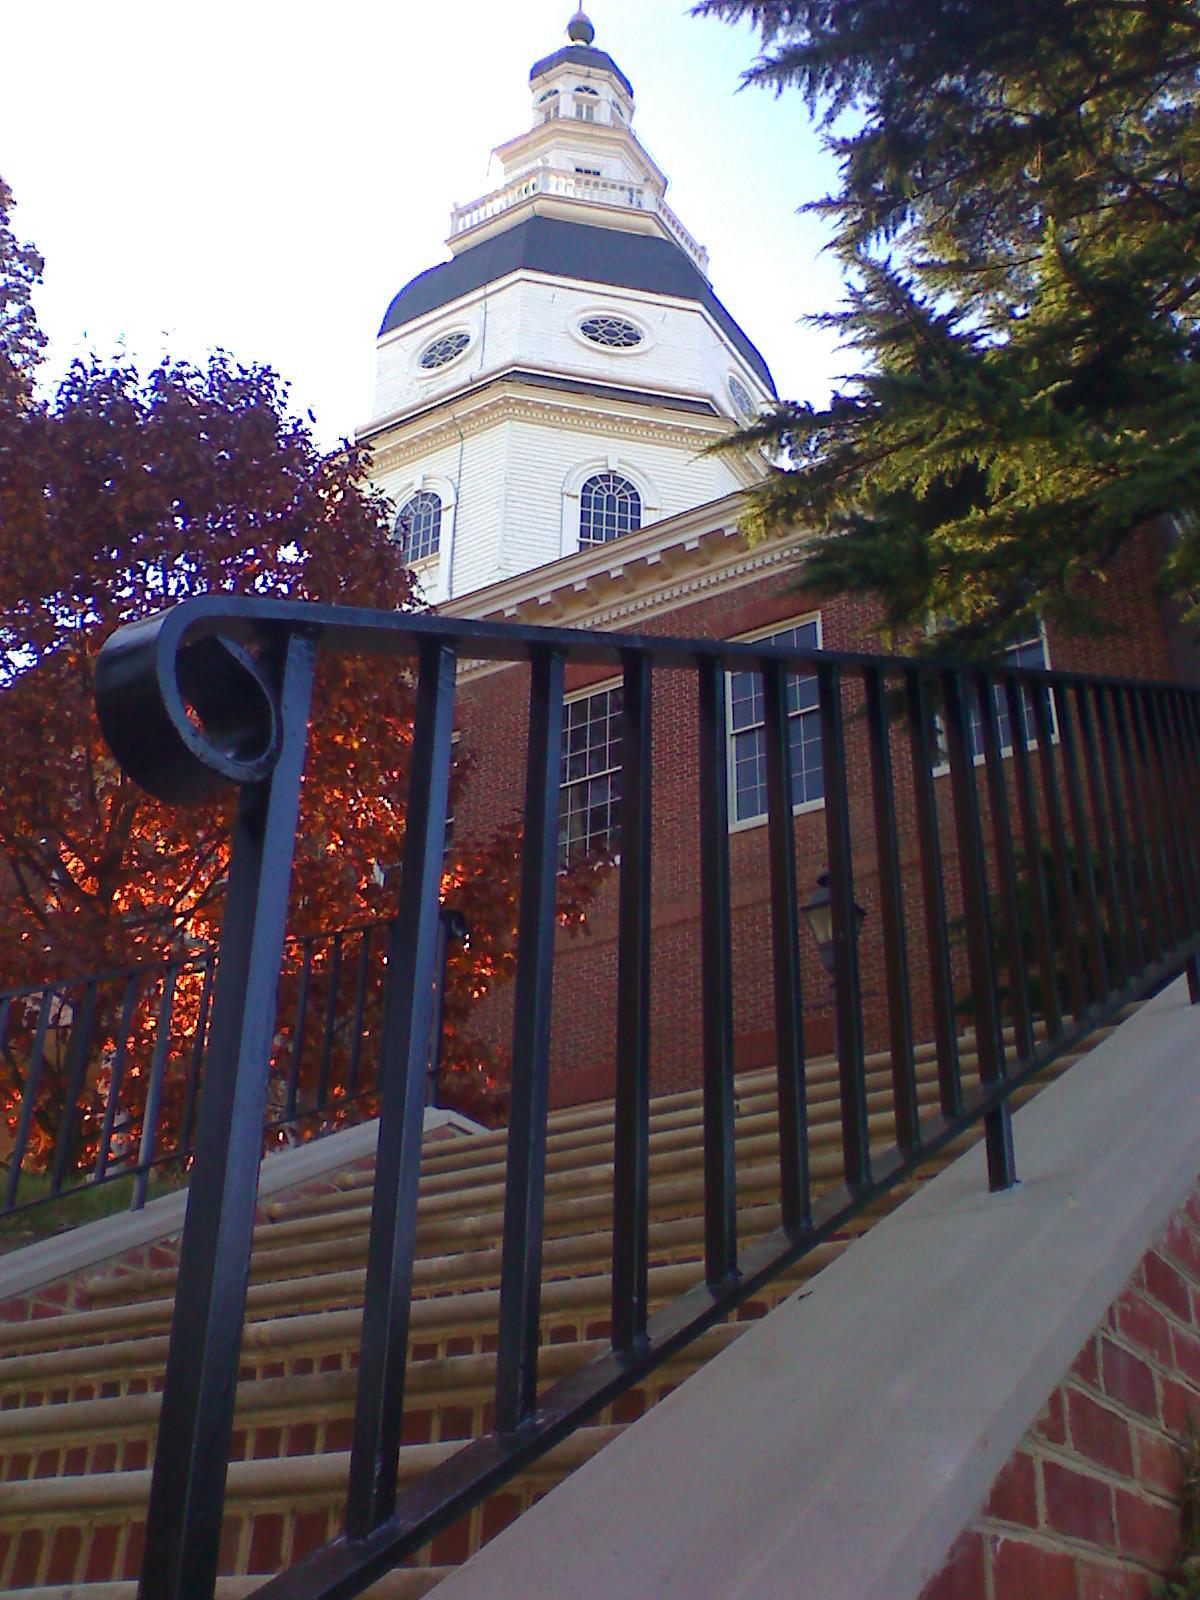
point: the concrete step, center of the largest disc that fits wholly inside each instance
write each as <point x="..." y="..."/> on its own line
<point x="78" y="1416"/>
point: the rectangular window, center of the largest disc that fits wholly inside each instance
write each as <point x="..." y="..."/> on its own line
<point x="747" y="737"/>
<point x="1029" y="653"/>
<point x="591" y="774"/>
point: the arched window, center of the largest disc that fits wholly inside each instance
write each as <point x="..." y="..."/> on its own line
<point x="609" y="506"/>
<point x="419" y="526"/>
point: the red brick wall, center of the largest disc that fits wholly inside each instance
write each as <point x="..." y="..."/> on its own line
<point x="493" y="718"/>
<point x="1086" y="1508"/>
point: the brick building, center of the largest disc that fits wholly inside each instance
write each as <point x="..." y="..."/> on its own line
<point x="542" y="406"/>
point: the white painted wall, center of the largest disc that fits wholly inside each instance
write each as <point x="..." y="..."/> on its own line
<point x="511" y="492"/>
<point x="530" y="320"/>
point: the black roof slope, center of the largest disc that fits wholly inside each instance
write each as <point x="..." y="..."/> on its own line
<point x="581" y="55"/>
<point x="571" y="250"/>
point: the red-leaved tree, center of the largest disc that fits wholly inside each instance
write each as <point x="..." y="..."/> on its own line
<point x="120" y="495"/>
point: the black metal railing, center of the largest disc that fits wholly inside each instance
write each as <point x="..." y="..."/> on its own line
<point x="103" y="1075"/>
<point x="1024" y="891"/>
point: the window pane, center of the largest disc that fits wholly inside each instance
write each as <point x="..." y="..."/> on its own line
<point x="419" y="526"/>
<point x="749" y="740"/>
<point x="591" y="775"/>
<point x="609" y="506"/>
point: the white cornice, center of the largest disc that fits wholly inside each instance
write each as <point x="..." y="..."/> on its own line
<point x="512" y="401"/>
<point x="630" y="582"/>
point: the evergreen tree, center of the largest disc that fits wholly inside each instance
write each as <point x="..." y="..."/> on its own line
<point x="1019" y="217"/>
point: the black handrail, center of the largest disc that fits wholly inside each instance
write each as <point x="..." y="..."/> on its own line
<point x="1014" y="919"/>
<point x="108" y="1068"/>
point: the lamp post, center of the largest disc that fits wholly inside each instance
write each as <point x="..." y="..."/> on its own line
<point x="818" y="913"/>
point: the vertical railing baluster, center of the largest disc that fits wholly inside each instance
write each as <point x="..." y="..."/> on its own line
<point x="847" y="995"/>
<point x="720" y="1173"/>
<point x="1121" y="807"/>
<point x="195" y="1065"/>
<point x="933" y="889"/>
<point x="631" y="1130"/>
<point x="298" y="1027"/>
<point x="1097" y="959"/>
<point x="525" y="1176"/>
<point x="33" y="1075"/>
<point x="331" y="1017"/>
<point x="1186" y="714"/>
<point x="1186" y="783"/>
<point x="1118" y="949"/>
<point x="360" y="1003"/>
<point x="117" y="1074"/>
<point x="183" y="1520"/>
<point x="969" y="835"/>
<point x="154" y="1089"/>
<point x="891" y="907"/>
<point x="408" y="1001"/>
<point x="5" y="1014"/>
<point x="1006" y="865"/>
<point x="81" y="1038"/>
<point x="1016" y="692"/>
<point x="1187" y="705"/>
<point x="1149" y="902"/>
<point x="1156" y="813"/>
<point x="785" y="947"/>
<point x="1178" y="827"/>
<point x="1060" y="850"/>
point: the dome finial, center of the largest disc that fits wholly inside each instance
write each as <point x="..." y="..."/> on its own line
<point x="579" y="29"/>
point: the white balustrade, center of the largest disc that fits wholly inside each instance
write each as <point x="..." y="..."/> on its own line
<point x="576" y="186"/>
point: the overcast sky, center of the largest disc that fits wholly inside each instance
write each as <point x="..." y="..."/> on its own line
<point x="264" y="176"/>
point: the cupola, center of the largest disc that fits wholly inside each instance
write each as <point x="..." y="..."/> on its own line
<point x="580" y="82"/>
<point x="557" y="383"/>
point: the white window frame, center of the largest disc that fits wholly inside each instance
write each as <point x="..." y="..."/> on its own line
<point x="592" y="690"/>
<point x="743" y="824"/>
<point x="432" y="374"/>
<point x="619" y="352"/>
<point x="585" y="101"/>
<point x="941" y="769"/>
<point x="430" y="558"/>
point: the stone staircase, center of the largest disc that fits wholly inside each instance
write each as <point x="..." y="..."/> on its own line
<point x="78" y="1387"/>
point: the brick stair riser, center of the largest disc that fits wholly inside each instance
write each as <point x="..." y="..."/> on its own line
<point x="670" y="1150"/>
<point x="333" y="1336"/>
<point x="344" y="1289"/>
<point x="564" y="1154"/>
<point x="297" y="1400"/>
<point x="341" y="1292"/>
<point x="276" y="1433"/>
<point x="285" y="1496"/>
<point x="341" y="1288"/>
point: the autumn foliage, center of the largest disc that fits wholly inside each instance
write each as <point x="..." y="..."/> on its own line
<point x="121" y="494"/>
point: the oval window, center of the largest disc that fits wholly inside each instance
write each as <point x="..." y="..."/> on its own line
<point x="443" y="350"/>
<point x="615" y="333"/>
<point x="741" y="398"/>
